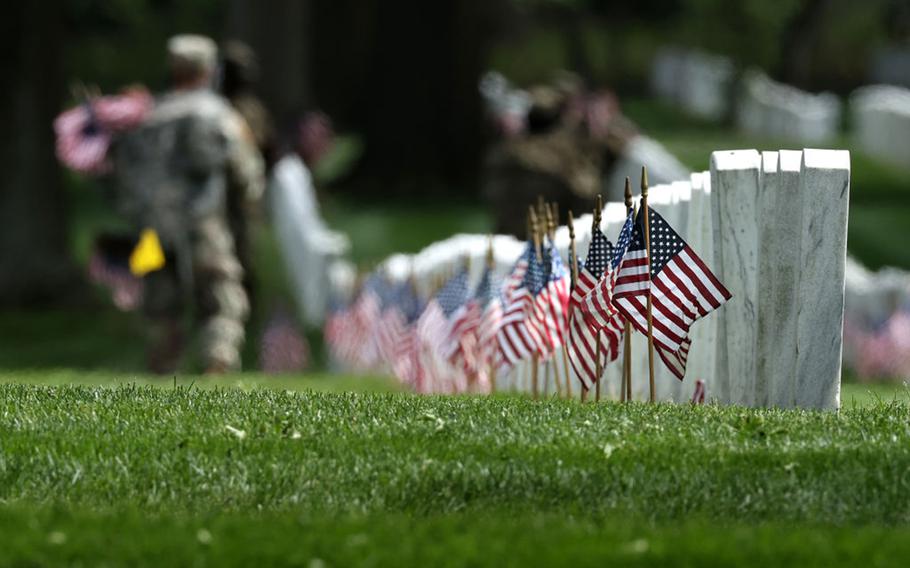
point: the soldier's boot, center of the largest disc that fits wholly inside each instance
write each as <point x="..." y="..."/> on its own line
<point x="222" y="338"/>
<point x="168" y="341"/>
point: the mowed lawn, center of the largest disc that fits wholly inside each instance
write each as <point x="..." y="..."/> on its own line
<point x="207" y="474"/>
<point x="101" y="465"/>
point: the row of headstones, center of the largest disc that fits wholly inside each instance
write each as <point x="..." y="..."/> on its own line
<point x="881" y="122"/>
<point x="700" y="83"/>
<point x="778" y="111"/>
<point x="773" y="228"/>
<point x="707" y="86"/>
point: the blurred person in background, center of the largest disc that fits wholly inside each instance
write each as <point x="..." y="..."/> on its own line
<point x="312" y="252"/>
<point x="172" y="177"/>
<point x="239" y="76"/>
<point x="560" y="152"/>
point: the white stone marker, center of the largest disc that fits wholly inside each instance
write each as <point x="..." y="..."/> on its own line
<point x="735" y="183"/>
<point x="704" y="332"/>
<point x="768" y="249"/>
<point x="681" y="201"/>
<point x="779" y="267"/>
<point x="825" y="192"/>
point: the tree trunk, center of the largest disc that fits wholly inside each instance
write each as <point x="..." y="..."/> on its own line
<point x="798" y="41"/>
<point x="424" y="124"/>
<point x="280" y="33"/>
<point x="34" y="260"/>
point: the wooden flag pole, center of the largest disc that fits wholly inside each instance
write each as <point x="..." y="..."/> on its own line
<point x="626" y="386"/>
<point x="552" y="220"/>
<point x="491" y="263"/>
<point x="552" y="214"/>
<point x="598" y="366"/>
<point x="535" y="357"/>
<point x="573" y="255"/>
<point x="647" y="230"/>
<point x="546" y="378"/>
<point x="573" y="271"/>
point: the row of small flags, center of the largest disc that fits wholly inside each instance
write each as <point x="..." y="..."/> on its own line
<point x="461" y="337"/>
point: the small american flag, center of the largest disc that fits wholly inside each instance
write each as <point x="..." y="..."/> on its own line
<point x="406" y="365"/>
<point x="518" y="339"/>
<point x="490" y="324"/>
<point x="598" y="305"/>
<point x="583" y="349"/>
<point x="84" y="132"/>
<point x="551" y="306"/>
<point x="284" y="349"/>
<point x="682" y="288"/>
<point x="114" y="274"/>
<point x="361" y="344"/>
<point x="433" y="328"/>
<point x="517" y="274"/>
<point x="698" y="397"/>
<point x="391" y="325"/>
<point x="463" y="343"/>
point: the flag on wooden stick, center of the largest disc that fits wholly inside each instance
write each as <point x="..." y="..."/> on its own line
<point x="551" y="305"/>
<point x="682" y="288"/>
<point x="583" y="345"/>
<point x="518" y="337"/>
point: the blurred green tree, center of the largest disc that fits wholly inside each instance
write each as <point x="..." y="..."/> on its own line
<point x="34" y="261"/>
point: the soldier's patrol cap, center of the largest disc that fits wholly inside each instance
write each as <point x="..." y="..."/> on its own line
<point x="188" y="53"/>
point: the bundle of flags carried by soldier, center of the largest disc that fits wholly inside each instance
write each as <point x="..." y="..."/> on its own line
<point x="84" y="132"/>
<point x="567" y="313"/>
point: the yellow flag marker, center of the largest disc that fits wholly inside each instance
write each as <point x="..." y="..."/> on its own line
<point x="147" y="256"/>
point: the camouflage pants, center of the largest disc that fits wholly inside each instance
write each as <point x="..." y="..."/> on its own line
<point x="221" y="303"/>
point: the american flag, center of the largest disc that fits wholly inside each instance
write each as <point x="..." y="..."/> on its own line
<point x="84" y="132"/>
<point x="583" y="349"/>
<point x="108" y="266"/>
<point x="517" y="338"/>
<point x="406" y="365"/>
<point x="517" y="274"/>
<point x="698" y="397"/>
<point x="597" y="304"/>
<point x="336" y="331"/>
<point x="433" y="328"/>
<point x="682" y="288"/>
<point x="361" y="347"/>
<point x="464" y="342"/>
<point x="283" y="349"/>
<point x="391" y="325"/>
<point x="551" y="306"/>
<point x="490" y="323"/>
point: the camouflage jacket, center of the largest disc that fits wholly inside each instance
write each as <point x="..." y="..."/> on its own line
<point x="177" y="168"/>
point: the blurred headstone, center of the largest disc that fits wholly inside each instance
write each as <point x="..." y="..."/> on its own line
<point x="881" y="122"/>
<point x="778" y="111"/>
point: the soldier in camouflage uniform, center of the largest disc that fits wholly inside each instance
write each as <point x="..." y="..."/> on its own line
<point x="172" y="175"/>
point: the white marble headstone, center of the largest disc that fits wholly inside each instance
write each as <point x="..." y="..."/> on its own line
<point x="825" y="193"/>
<point x="735" y="183"/>
<point x="779" y="266"/>
<point x="701" y="364"/>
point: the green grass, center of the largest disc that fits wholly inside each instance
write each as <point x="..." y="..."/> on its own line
<point x="137" y="474"/>
<point x="132" y="538"/>
<point x="852" y="394"/>
<point x="101" y="464"/>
